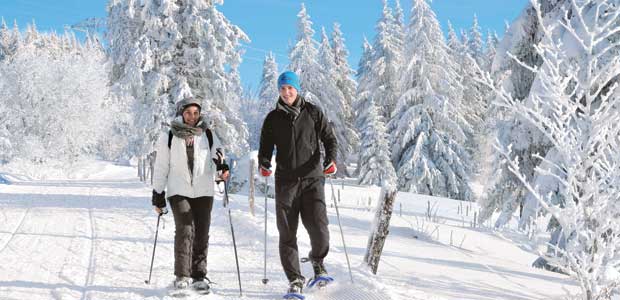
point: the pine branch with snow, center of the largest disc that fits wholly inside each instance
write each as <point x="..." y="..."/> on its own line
<point x="504" y="192"/>
<point x="574" y="104"/>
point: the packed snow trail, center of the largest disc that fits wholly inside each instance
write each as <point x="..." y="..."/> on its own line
<point x="93" y="238"/>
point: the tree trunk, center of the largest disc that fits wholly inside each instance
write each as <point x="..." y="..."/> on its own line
<point x="381" y="226"/>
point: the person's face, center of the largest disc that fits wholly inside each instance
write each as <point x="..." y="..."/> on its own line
<point x="191" y="114"/>
<point x="288" y="94"/>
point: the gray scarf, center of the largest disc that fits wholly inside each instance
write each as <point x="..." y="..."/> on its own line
<point x="294" y="109"/>
<point x="182" y="130"/>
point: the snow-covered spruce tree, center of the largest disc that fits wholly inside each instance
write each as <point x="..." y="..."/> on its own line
<point x="399" y="20"/>
<point x="164" y="51"/>
<point x="362" y="102"/>
<point x="384" y="88"/>
<point x="475" y="44"/>
<point x="255" y="106"/>
<point x="254" y="111"/>
<point x="53" y="98"/>
<point x="427" y="140"/>
<point x="253" y="114"/>
<point x="574" y="103"/>
<point x="346" y="84"/>
<point x="374" y="159"/>
<point x="334" y="105"/>
<point x="504" y="192"/>
<point x="364" y="82"/>
<point x="5" y="40"/>
<point x="453" y="41"/>
<point x="465" y="40"/>
<point x="491" y="50"/>
<point x="304" y="56"/>
<point x="268" y="92"/>
<point x="343" y="72"/>
<point x="475" y="95"/>
<point x="317" y="71"/>
<point x="140" y="53"/>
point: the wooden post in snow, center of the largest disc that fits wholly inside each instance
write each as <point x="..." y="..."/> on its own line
<point x="141" y="174"/>
<point x="381" y="225"/>
<point x="251" y="180"/>
<point x="152" y="157"/>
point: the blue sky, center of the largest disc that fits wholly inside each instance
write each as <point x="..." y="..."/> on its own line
<point x="272" y="24"/>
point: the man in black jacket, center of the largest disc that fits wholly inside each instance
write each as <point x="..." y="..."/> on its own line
<point x="295" y="128"/>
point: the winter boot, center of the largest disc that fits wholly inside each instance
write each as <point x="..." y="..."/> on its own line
<point x="319" y="269"/>
<point x="201" y="284"/>
<point x="296" y="286"/>
<point x="182" y="282"/>
<point x="317" y="266"/>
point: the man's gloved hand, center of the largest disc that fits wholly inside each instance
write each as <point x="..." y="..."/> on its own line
<point x="159" y="201"/>
<point x="264" y="171"/>
<point x="329" y="168"/>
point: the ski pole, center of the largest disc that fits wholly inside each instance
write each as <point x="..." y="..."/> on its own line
<point x="164" y="211"/>
<point x="232" y="231"/>
<point x="331" y="182"/>
<point x="265" y="279"/>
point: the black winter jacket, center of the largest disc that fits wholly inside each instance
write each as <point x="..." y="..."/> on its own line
<point x="298" y="152"/>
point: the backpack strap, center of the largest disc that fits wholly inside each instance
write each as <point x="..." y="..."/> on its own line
<point x="209" y="137"/>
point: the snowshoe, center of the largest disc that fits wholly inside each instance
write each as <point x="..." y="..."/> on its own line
<point x="295" y="290"/>
<point x="320" y="281"/>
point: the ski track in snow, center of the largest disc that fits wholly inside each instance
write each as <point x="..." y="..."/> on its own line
<point x="15" y="230"/>
<point x="91" y="259"/>
<point x="93" y="239"/>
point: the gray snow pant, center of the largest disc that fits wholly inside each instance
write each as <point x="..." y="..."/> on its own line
<point x="192" y="219"/>
<point x="305" y="197"/>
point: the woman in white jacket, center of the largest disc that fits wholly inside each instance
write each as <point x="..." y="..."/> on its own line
<point x="187" y="162"/>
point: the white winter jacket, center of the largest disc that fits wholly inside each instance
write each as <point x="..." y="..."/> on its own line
<point x="171" y="170"/>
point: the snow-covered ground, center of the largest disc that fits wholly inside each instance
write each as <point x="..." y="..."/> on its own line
<point x="92" y="237"/>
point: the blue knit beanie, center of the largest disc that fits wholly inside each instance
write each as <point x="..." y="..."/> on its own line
<point x="289" y="78"/>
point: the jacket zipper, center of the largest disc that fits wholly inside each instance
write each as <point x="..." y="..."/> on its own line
<point x="294" y="142"/>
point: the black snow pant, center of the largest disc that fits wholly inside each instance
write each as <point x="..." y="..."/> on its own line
<point x="192" y="219"/>
<point x="305" y="197"/>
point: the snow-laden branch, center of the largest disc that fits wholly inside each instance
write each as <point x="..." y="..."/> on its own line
<point x="574" y="104"/>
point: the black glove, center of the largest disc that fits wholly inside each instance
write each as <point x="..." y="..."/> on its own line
<point x="223" y="167"/>
<point x="220" y="160"/>
<point x="159" y="200"/>
<point x="219" y="156"/>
